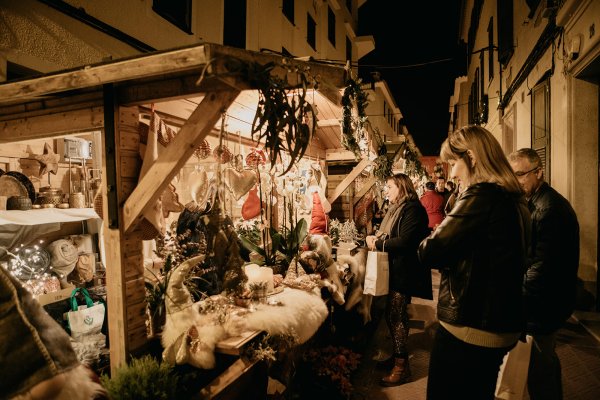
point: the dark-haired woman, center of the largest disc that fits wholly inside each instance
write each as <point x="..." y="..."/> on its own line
<point x="401" y="231"/>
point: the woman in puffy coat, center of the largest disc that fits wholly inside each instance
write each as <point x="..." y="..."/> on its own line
<point x="401" y="231"/>
<point x="480" y="249"/>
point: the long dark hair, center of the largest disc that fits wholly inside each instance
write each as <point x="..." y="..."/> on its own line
<point x="405" y="185"/>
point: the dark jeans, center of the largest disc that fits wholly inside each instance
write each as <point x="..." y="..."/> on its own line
<point x="544" y="381"/>
<point x="459" y="370"/>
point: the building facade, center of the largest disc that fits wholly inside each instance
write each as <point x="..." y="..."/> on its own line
<point x="532" y="80"/>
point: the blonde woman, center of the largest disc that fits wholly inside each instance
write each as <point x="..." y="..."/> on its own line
<point x="480" y="249"/>
<point x="401" y="231"/>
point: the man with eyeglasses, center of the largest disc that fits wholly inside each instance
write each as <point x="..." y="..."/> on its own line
<point x="550" y="282"/>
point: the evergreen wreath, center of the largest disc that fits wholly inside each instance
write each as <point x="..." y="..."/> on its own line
<point x="353" y="128"/>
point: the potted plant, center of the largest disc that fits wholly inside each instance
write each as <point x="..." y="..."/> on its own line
<point x="143" y="378"/>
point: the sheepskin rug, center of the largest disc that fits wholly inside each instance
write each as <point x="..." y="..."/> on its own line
<point x="301" y="314"/>
<point x="191" y="337"/>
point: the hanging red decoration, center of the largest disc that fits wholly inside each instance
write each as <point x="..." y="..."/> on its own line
<point x="256" y="158"/>
<point x="203" y="151"/>
<point x="222" y="154"/>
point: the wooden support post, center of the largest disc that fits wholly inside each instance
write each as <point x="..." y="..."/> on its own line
<point x="349" y="179"/>
<point x="113" y="237"/>
<point x="190" y="136"/>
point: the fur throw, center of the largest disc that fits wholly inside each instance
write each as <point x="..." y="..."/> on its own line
<point x="300" y="314"/>
<point x="77" y="384"/>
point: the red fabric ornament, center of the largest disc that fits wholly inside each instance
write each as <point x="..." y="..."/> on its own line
<point x="256" y="158"/>
<point x="251" y="207"/>
<point x="203" y="151"/>
<point x="318" y="222"/>
<point x="222" y="154"/>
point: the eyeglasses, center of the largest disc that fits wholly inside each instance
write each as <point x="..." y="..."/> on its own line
<point x="525" y="173"/>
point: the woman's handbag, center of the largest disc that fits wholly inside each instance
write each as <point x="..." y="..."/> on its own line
<point x="513" y="372"/>
<point x="85" y="320"/>
<point x="377" y="274"/>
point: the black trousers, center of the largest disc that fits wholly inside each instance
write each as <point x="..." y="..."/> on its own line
<point x="459" y="370"/>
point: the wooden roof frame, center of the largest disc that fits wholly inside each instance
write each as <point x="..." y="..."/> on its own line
<point x="88" y="98"/>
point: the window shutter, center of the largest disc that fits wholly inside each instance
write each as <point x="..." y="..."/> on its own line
<point x="540" y="123"/>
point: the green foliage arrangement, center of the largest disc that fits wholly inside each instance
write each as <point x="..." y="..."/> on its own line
<point x="143" y="378"/>
<point x="174" y="249"/>
<point x="383" y="163"/>
<point x="279" y="248"/>
<point x="353" y="127"/>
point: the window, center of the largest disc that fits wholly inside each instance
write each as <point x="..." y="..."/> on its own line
<point x="285" y="52"/>
<point x="311" y="32"/>
<point x="179" y="13"/>
<point x="234" y="24"/>
<point x="540" y="123"/>
<point x="348" y="49"/>
<point x="509" y="127"/>
<point x="349" y="5"/>
<point x="491" y="49"/>
<point x="288" y="10"/>
<point x="331" y="26"/>
<point x="505" y="31"/>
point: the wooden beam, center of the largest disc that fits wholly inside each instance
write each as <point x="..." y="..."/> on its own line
<point x="168" y="61"/>
<point x="171" y="160"/>
<point x="330" y="77"/>
<point x="45" y="126"/>
<point x="340" y="155"/>
<point x="348" y="179"/>
<point x="366" y="187"/>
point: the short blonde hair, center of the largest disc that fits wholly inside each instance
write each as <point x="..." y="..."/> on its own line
<point x="491" y="163"/>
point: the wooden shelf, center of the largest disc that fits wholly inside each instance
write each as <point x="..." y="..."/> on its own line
<point x="53" y="297"/>
<point x="46" y="216"/>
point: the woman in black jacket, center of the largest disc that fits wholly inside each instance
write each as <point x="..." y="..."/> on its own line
<point x="480" y="249"/>
<point x="401" y="231"/>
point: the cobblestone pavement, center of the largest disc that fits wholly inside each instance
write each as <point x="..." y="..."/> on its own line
<point x="578" y="349"/>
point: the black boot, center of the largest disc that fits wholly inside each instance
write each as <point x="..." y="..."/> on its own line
<point x="399" y="374"/>
<point x="386" y="363"/>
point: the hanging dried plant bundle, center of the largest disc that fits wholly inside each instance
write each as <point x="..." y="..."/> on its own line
<point x="281" y="114"/>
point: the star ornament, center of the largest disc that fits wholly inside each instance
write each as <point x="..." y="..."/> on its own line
<point x="48" y="161"/>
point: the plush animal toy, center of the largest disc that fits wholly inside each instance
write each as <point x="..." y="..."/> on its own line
<point x="354" y="293"/>
<point x="328" y="268"/>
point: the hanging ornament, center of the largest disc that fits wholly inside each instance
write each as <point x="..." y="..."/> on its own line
<point x="256" y="158"/>
<point x="203" y="151"/>
<point x="222" y="154"/>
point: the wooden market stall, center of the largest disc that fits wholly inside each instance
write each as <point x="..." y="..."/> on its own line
<point x="108" y="99"/>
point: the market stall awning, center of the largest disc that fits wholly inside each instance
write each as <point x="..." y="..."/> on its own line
<point x="77" y="94"/>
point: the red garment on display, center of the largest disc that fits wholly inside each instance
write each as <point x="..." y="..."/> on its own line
<point x="318" y="222"/>
<point x="251" y="207"/>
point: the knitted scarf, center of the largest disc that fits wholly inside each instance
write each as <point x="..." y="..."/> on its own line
<point x="391" y="217"/>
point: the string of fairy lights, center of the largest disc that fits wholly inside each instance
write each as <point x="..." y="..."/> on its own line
<point x="31" y="265"/>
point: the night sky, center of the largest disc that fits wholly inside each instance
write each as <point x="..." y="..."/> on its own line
<point x="415" y="32"/>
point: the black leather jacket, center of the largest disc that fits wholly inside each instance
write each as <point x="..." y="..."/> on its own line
<point x="480" y="249"/>
<point x="552" y="263"/>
